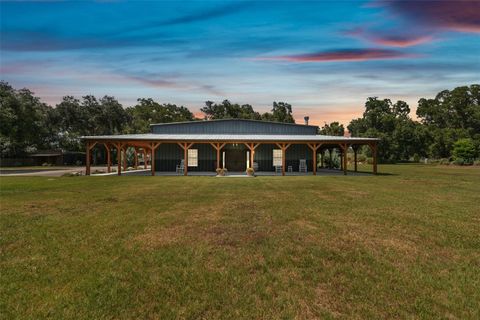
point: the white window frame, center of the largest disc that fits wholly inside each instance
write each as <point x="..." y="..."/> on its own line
<point x="277" y="157"/>
<point x="192" y="157"/>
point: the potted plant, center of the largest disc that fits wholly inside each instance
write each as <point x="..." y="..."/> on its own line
<point x="250" y="172"/>
<point x="221" y="172"/>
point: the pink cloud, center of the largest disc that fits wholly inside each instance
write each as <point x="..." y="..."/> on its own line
<point x="394" y="39"/>
<point x="341" y="55"/>
<point x="457" y="15"/>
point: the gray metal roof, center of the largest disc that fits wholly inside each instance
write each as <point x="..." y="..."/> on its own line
<point x="228" y="137"/>
<point x="231" y="120"/>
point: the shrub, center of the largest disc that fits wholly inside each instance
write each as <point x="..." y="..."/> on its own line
<point x="464" y="149"/>
<point x="361" y="158"/>
<point x="458" y="162"/>
<point x="476" y="163"/>
<point x="444" y="161"/>
<point x="416" y="157"/>
<point x="335" y="163"/>
<point x="78" y="163"/>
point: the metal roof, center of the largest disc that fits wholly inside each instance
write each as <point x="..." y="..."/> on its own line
<point x="228" y="137"/>
<point x="230" y="120"/>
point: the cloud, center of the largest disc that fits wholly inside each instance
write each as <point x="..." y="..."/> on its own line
<point x="457" y="15"/>
<point x="341" y="55"/>
<point x="207" y="14"/>
<point x="52" y="40"/>
<point x="393" y="39"/>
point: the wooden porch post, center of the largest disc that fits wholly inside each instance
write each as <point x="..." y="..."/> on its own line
<point x="355" y="150"/>
<point x="153" y="147"/>
<point x="185" y="146"/>
<point x="314" y="147"/>
<point x="152" y="161"/>
<point x="284" y="147"/>
<point x="119" y="159"/>
<point x="331" y="158"/>
<point x="145" y="160"/>
<point x="136" y="158"/>
<point x="252" y="147"/>
<point x="109" y="160"/>
<point x="374" y="147"/>
<point x="124" y="151"/>
<point x="87" y="159"/>
<point x="345" y="163"/>
<point x="218" y="147"/>
<point x="341" y="157"/>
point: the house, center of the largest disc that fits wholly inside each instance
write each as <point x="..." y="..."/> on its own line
<point x="235" y="144"/>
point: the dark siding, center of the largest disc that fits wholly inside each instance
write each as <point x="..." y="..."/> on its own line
<point x="264" y="157"/>
<point x="233" y="127"/>
<point x="169" y="155"/>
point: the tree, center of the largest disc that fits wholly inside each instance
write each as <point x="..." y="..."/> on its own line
<point x="147" y="111"/>
<point x="228" y="110"/>
<point x="333" y="129"/>
<point x="450" y="116"/>
<point x="75" y="118"/>
<point x="464" y="149"/>
<point x="24" y="122"/>
<point x="281" y="112"/>
<point x="400" y="137"/>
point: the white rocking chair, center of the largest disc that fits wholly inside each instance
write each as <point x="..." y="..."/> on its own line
<point x="180" y="169"/>
<point x="302" y="167"/>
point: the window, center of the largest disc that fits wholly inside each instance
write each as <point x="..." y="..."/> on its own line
<point x="193" y="157"/>
<point x="277" y="157"/>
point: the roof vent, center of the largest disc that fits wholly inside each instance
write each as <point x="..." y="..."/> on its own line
<point x="306" y="118"/>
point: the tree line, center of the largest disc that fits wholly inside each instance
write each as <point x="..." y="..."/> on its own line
<point x="448" y="125"/>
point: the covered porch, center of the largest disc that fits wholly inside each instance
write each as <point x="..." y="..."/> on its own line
<point x="162" y="155"/>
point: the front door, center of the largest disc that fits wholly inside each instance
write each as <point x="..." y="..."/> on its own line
<point x="236" y="160"/>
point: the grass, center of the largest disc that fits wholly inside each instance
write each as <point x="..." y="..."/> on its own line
<point x="404" y="245"/>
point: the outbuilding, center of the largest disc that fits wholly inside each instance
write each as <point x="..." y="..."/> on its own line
<point x="234" y="144"/>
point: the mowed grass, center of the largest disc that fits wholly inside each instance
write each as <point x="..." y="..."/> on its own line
<point x="402" y="245"/>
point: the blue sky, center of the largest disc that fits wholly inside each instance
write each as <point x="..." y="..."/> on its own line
<point x="323" y="57"/>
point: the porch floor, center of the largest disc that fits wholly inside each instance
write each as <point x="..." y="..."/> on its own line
<point x="320" y="172"/>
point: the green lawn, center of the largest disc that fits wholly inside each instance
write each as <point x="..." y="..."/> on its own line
<point x="403" y="245"/>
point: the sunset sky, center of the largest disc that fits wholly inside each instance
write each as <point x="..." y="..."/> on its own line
<point x="325" y="58"/>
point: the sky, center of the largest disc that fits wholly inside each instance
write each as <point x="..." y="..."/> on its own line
<point x="323" y="57"/>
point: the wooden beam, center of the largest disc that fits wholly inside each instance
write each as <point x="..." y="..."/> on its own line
<point x="283" y="147"/>
<point x="374" y="148"/>
<point x="136" y="158"/>
<point x="355" y="151"/>
<point x="315" y="147"/>
<point x="185" y="161"/>
<point x="109" y="161"/>
<point x="92" y="145"/>
<point x="217" y="147"/>
<point x="87" y="159"/>
<point x="145" y="161"/>
<point x="251" y="146"/>
<point x="124" y="150"/>
<point x="119" y="159"/>
<point x="153" y="148"/>
<point x="152" y="161"/>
